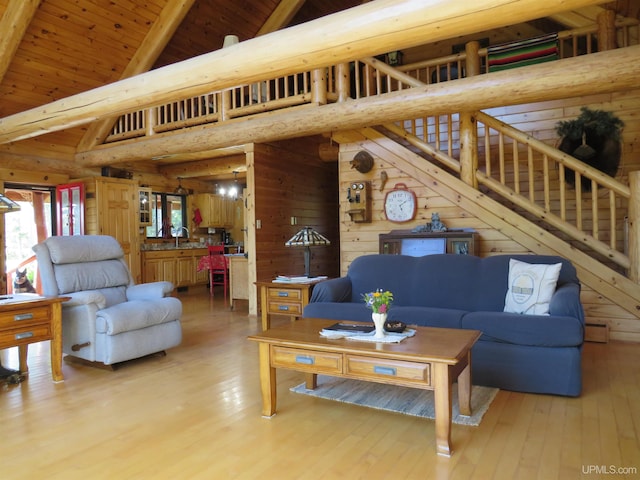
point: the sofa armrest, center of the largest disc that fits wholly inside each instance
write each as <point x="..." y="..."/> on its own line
<point x="86" y="297"/>
<point x="149" y="291"/>
<point x="334" y="290"/>
<point x="565" y="302"/>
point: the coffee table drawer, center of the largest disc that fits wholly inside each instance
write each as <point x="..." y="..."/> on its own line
<point x="300" y="359"/>
<point x="377" y="368"/>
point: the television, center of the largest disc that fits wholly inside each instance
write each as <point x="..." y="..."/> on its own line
<point x="419" y="247"/>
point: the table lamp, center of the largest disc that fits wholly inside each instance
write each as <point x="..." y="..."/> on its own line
<point x="307" y="237"/>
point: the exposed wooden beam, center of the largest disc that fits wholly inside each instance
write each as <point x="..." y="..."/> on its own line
<point x="281" y="16"/>
<point x="369" y="29"/>
<point x="15" y="20"/>
<point x="605" y="72"/>
<point x="150" y="49"/>
<point x="206" y="168"/>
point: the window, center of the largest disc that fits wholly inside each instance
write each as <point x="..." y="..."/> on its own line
<point x="168" y="216"/>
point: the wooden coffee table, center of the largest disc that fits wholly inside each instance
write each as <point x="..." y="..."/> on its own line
<point x="431" y="360"/>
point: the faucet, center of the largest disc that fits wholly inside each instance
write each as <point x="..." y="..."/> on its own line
<point x="179" y="231"/>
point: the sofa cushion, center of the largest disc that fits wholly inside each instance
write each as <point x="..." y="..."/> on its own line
<point x="81" y="248"/>
<point x="357" y="312"/>
<point x="137" y="314"/>
<point x="533" y="330"/>
<point x="531" y="287"/>
<point x="427" y="316"/>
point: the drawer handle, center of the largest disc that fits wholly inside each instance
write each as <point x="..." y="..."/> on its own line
<point x="283" y="294"/>
<point x="305" y="359"/>
<point x="284" y="308"/>
<point x="384" y="370"/>
<point x="23" y="316"/>
<point x="22" y="336"/>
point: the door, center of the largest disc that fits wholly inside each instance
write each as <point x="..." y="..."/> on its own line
<point x="70" y="209"/>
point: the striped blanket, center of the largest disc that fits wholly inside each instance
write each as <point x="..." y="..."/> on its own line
<point x="526" y="52"/>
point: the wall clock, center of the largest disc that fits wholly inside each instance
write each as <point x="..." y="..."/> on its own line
<point x="400" y="204"/>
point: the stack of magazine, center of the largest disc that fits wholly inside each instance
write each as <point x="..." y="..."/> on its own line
<point x="300" y="279"/>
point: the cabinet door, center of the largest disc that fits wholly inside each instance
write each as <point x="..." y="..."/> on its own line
<point x="185" y="271"/>
<point x="152" y="270"/>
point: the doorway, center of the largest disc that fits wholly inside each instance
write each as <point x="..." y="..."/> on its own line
<point x="23" y="229"/>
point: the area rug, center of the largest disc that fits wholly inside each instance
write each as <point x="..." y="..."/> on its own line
<point x="405" y="400"/>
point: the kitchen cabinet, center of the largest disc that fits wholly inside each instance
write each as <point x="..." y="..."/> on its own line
<point x="216" y="210"/>
<point x="144" y="195"/>
<point x="177" y="266"/>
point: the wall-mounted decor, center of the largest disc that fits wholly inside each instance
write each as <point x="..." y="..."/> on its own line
<point x="359" y="198"/>
<point x="400" y="204"/>
<point x="593" y="138"/>
<point x="362" y="162"/>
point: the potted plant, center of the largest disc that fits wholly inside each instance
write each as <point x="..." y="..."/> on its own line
<point x="594" y="138"/>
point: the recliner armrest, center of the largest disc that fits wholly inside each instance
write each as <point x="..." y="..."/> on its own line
<point x="86" y="297"/>
<point x="149" y="291"/>
<point x="334" y="290"/>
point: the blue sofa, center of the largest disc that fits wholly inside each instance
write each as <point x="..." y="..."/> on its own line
<point x="527" y="353"/>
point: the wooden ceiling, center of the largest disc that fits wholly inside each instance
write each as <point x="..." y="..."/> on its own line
<point x="58" y="48"/>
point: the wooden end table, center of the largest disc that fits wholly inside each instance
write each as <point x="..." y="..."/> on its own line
<point x="284" y="298"/>
<point x="431" y="360"/>
<point x="27" y="318"/>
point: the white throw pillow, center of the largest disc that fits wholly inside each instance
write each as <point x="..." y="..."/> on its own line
<point x="531" y="287"/>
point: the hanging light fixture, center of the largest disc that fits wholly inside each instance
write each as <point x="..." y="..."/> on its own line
<point x="180" y="190"/>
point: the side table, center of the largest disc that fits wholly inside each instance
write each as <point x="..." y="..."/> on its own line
<point x="284" y="299"/>
<point x="28" y="318"/>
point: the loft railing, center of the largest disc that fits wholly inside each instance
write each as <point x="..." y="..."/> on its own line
<point x="358" y="79"/>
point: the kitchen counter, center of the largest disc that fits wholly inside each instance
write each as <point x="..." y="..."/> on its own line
<point x="147" y="247"/>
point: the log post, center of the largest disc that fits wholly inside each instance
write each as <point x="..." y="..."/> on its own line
<point x="343" y="82"/>
<point x="634" y="226"/>
<point x="606" y="30"/>
<point x="468" y="130"/>
<point x="224" y="100"/>
<point x="468" y="149"/>
<point x="149" y="121"/>
<point x="472" y="66"/>
<point x="319" y="86"/>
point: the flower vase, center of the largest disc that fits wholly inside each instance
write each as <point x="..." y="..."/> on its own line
<point x="379" y="320"/>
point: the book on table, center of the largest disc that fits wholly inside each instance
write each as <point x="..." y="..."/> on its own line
<point x="350" y="327"/>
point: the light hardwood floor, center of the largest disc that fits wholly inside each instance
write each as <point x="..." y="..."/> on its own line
<point x="195" y="414"/>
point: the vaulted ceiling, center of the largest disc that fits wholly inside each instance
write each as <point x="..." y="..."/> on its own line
<point x="53" y="49"/>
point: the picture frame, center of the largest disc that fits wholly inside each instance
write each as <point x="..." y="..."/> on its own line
<point x="459" y="247"/>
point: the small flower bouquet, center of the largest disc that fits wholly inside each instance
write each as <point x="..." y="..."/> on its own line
<point x="378" y="301"/>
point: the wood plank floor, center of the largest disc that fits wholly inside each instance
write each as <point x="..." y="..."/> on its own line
<point x="195" y="414"/>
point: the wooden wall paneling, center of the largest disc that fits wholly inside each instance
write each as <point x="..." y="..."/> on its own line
<point x="358" y="239"/>
<point x="293" y="184"/>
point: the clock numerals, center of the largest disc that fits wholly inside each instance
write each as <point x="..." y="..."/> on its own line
<point x="400" y="204"/>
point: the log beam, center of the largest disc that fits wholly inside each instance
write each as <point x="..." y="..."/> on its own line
<point x="369" y="29"/>
<point x="605" y="72"/>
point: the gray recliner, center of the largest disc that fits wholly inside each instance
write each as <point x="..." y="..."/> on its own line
<point x="108" y="319"/>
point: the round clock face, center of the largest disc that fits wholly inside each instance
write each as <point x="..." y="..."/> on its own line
<point x="400" y="205"/>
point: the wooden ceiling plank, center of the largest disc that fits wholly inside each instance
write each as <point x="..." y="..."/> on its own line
<point x="369" y="29"/>
<point x="13" y="25"/>
<point x="148" y="52"/>
<point x="205" y="168"/>
<point x="575" y="76"/>
<point x="281" y="16"/>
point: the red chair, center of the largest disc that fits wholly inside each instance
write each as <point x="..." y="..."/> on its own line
<point x="218" y="265"/>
